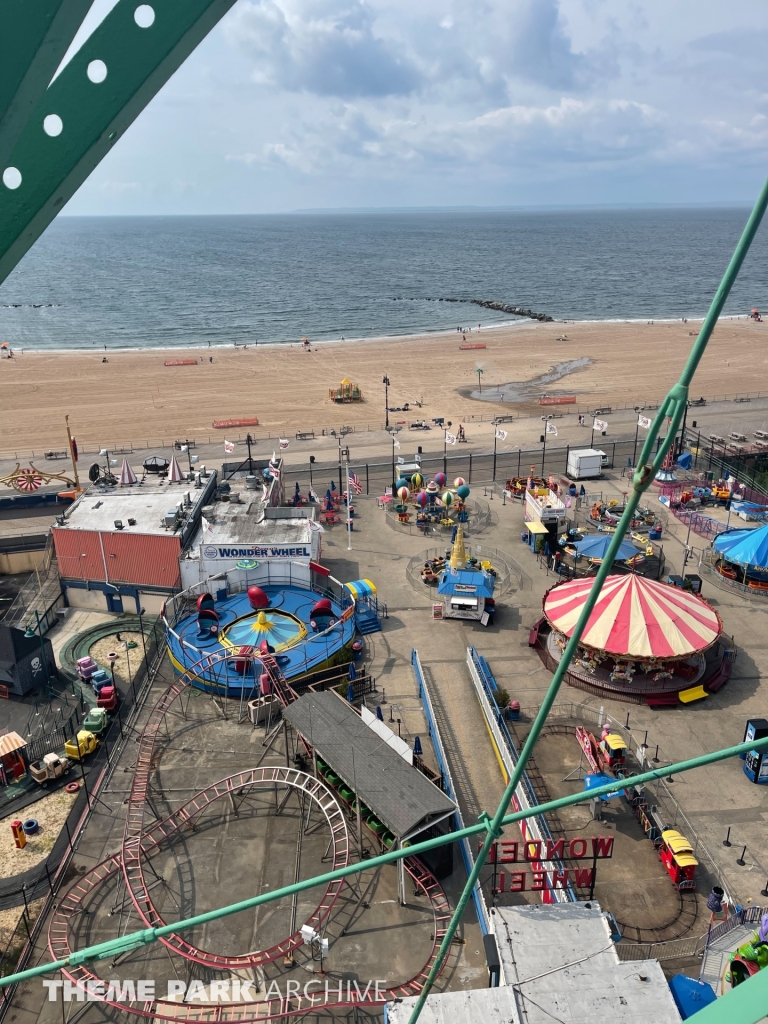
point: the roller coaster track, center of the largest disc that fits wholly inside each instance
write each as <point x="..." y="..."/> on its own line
<point x="139" y="843"/>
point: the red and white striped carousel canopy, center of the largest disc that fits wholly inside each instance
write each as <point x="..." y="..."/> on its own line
<point x="635" y="617"/>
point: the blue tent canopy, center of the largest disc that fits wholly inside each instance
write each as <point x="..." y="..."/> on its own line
<point x="596" y="546"/>
<point x="745" y="547"/>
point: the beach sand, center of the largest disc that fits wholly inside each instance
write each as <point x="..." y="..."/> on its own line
<point x="134" y="396"/>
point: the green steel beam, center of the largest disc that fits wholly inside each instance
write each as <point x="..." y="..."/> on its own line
<point x="139" y="61"/>
<point x="34" y="36"/>
<point x="135" y="940"/>
<point x="673" y="406"/>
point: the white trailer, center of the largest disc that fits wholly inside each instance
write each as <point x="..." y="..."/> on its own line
<point x="584" y="463"/>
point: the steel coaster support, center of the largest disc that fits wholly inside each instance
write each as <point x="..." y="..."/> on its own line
<point x="673" y="407"/>
<point x="33" y="40"/>
<point x="95" y="112"/>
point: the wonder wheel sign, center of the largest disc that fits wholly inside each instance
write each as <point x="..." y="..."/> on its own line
<point x="28" y="480"/>
<point x="32" y="479"/>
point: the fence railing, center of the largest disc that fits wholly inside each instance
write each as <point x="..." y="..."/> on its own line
<point x="483" y="917"/>
<point x="524" y="797"/>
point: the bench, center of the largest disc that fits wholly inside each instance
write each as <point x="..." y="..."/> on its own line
<point x="184" y="444"/>
<point x="305" y="435"/>
<point x="56" y="455"/>
<point x="694" y="693"/>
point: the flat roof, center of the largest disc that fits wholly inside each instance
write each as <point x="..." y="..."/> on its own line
<point x="398" y="794"/>
<point x="558" y="963"/>
<point x="147" y="503"/>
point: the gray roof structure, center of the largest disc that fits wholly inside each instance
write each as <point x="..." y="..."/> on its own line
<point x="558" y="963"/>
<point x="398" y="794"/>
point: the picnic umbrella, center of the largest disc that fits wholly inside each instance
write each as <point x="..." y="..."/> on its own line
<point x="333" y="486"/>
<point x="352" y="673"/>
<point x="379" y="714"/>
<point x="596" y="545"/>
<point x="328" y="502"/>
<point x="175" y="475"/>
<point x="417" y="746"/>
<point x="298" y="489"/>
<point x="127" y="476"/>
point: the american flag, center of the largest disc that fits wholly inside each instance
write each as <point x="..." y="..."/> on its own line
<point x="354" y="481"/>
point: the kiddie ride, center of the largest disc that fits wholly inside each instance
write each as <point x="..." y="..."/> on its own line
<point x="435" y="567"/>
<point x="675" y="851"/>
<point x="433" y="508"/>
<point x="609" y="513"/>
<point x="750" y="957"/>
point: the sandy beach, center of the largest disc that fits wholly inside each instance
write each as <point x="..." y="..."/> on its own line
<point x="134" y="396"/>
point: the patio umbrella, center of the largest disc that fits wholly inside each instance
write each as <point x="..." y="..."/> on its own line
<point x="595" y="546"/>
<point x="352" y="673"/>
<point x="298" y="489"/>
<point x="417" y="747"/>
<point x="379" y="714"/>
<point x="328" y="502"/>
<point x="175" y="475"/>
<point x="351" y="693"/>
<point x="333" y="486"/>
<point x="127" y="476"/>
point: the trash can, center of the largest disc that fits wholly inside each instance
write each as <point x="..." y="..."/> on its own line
<point x="513" y="711"/>
<point x="357" y="650"/>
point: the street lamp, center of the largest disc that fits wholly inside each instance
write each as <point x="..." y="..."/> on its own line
<point x="386" y="382"/>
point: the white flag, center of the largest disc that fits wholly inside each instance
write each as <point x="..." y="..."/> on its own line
<point x="501" y="434"/>
<point x="644" y="422"/>
<point x="283" y="443"/>
<point x="395" y="442"/>
<point x="274" y="458"/>
<point x="229" y="446"/>
<point x="551" y="428"/>
<point x="600" y="425"/>
<point x="207" y="528"/>
<point x="274" y="472"/>
<point x="450" y="438"/>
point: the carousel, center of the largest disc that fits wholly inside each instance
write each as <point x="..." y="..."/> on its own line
<point x="644" y="640"/>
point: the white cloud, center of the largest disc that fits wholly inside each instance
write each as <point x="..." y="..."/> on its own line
<point x="345" y="102"/>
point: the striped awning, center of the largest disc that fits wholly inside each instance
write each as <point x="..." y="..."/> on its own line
<point x="10" y="742"/>
<point x="635" y="617"/>
<point x="360" y="588"/>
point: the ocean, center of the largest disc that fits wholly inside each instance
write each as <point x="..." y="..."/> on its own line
<point x="153" y="282"/>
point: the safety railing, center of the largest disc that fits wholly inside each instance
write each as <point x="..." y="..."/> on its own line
<point x="483" y="917"/>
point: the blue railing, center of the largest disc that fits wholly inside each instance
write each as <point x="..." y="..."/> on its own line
<point x="490" y="687"/>
<point x="437" y="746"/>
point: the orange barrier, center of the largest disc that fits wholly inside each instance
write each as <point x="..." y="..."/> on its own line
<point x="181" y="362"/>
<point x="558" y="400"/>
<point x="464" y="348"/>
<point x="251" y="421"/>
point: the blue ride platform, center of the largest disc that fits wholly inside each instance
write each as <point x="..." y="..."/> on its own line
<point x="300" y="645"/>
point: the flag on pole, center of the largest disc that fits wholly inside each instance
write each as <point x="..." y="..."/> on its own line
<point x="274" y="458"/>
<point x="600" y="425"/>
<point x="450" y="438"/>
<point x="395" y="442"/>
<point x="207" y="528"/>
<point x="644" y="422"/>
<point x="355" y="484"/>
<point x="229" y="446"/>
<point x="283" y="443"/>
<point x="551" y="428"/>
<point x="274" y="472"/>
<point x="501" y="434"/>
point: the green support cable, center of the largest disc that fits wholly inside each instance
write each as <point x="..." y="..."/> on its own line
<point x="135" y="940"/>
<point x="94" y="114"/>
<point x="673" y="406"/>
<point x="33" y="40"/>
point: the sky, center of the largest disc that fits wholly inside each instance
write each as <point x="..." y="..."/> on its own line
<point x="326" y="104"/>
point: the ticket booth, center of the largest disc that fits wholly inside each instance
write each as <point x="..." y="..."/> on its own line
<point x="13" y="762"/>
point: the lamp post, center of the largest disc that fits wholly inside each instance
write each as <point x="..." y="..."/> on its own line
<point x="386" y="382"/>
<point x="543" y="440"/>
<point x="311" y="462"/>
<point x="249" y="442"/>
<point x="394" y="442"/>
<point x="188" y="450"/>
<point x="142" y="611"/>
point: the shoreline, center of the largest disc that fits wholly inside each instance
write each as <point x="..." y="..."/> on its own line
<point x="425" y="335"/>
<point x="287" y="386"/>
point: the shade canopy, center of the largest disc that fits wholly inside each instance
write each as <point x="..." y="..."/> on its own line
<point x="635" y="617"/>
<point x="596" y="545"/>
<point x="745" y="547"/>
